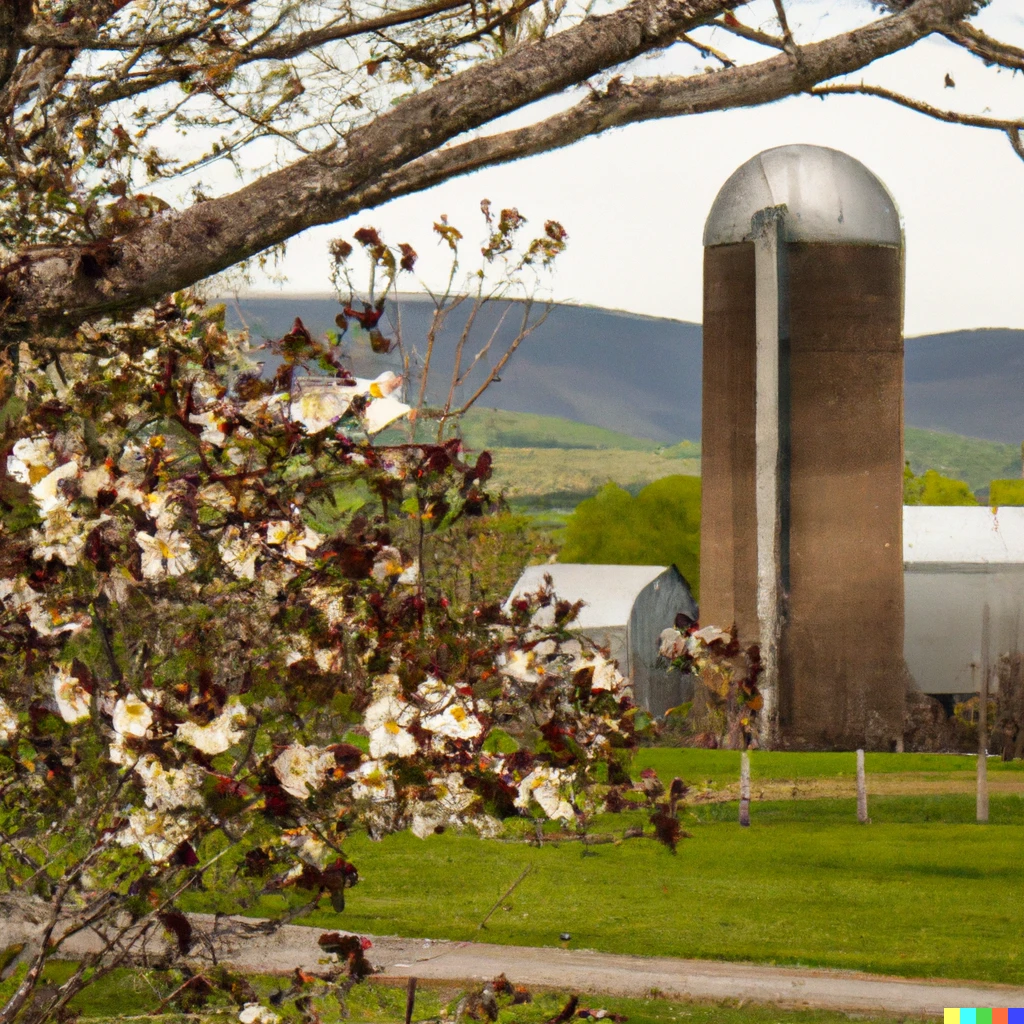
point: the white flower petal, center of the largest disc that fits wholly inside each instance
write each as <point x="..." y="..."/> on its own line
<point x="302" y="769"/>
<point x="132" y="717"/>
<point x="72" y="699"/>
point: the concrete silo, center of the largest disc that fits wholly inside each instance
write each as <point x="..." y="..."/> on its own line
<point x="803" y="441"/>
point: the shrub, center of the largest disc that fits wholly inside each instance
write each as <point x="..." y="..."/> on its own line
<point x="660" y="526"/>
<point x="207" y="580"/>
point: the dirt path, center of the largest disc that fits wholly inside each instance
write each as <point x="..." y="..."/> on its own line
<point x="235" y="943"/>
<point x="901" y="784"/>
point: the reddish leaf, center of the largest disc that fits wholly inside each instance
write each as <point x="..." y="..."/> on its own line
<point x="175" y="921"/>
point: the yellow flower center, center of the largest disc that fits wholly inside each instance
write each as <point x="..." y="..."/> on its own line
<point x="393" y="728"/>
<point x="459" y="714"/>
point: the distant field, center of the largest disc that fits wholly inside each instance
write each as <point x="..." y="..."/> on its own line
<point x="970" y="459"/>
<point x="562" y="477"/>
<point x="552" y="462"/>
<point x="496" y="428"/>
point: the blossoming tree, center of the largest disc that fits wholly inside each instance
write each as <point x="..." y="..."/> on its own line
<point x="218" y="655"/>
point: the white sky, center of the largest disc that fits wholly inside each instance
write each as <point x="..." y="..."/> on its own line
<point x="634" y="201"/>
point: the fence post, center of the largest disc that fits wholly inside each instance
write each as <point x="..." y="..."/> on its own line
<point x="745" y="789"/>
<point x="862" y="790"/>
<point x="986" y="668"/>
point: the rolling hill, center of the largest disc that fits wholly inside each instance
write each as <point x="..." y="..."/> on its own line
<point x="641" y="376"/>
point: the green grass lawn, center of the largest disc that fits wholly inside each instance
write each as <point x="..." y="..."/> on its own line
<point x="721" y="767"/>
<point x="927" y="899"/>
<point x="921" y="891"/>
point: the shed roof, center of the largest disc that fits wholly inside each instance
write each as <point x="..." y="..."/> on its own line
<point x="608" y="590"/>
<point x="965" y="535"/>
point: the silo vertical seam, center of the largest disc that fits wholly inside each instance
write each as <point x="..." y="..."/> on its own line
<point x="769" y="317"/>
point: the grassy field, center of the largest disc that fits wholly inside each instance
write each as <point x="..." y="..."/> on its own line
<point x="562" y="477"/>
<point x="128" y="993"/>
<point x="804" y="885"/>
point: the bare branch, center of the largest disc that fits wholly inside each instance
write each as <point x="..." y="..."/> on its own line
<point x="752" y="34"/>
<point x="949" y="116"/>
<point x="991" y="51"/>
<point x="787" y="37"/>
<point x="1015" y="141"/>
<point x="706" y="50"/>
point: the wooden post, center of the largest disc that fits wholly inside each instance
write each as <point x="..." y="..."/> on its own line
<point x="986" y="668"/>
<point x="745" y="789"/>
<point x="862" y="790"/>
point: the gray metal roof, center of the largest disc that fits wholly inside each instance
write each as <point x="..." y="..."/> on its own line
<point x="608" y="590"/>
<point x="829" y="197"/>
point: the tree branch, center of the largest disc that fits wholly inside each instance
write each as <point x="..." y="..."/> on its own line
<point x="991" y="51"/>
<point x="949" y="116"/>
<point x="647" y="99"/>
<point x="173" y="251"/>
<point x="399" y="151"/>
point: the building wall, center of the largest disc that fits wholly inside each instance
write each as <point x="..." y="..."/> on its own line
<point x="842" y="647"/>
<point x="943" y="635"/>
<point x="841" y="652"/>
<point x="655" y="686"/>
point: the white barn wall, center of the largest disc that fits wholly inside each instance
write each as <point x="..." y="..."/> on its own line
<point x="957" y="559"/>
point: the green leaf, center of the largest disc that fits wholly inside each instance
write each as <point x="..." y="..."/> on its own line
<point x="499" y="742"/>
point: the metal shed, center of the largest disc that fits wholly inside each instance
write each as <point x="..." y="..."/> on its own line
<point x="625" y="609"/>
<point x="956" y="560"/>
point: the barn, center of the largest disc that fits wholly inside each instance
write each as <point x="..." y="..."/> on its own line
<point x="958" y="560"/>
<point x="625" y="609"/>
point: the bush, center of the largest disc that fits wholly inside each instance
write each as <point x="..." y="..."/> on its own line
<point x="931" y="488"/>
<point x="1006" y="492"/>
<point x="660" y="526"/>
<point x="206" y="580"/>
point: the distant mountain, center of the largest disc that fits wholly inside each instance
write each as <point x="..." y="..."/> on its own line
<point x="641" y="376"/>
<point x="967" y="382"/>
<point x="631" y="374"/>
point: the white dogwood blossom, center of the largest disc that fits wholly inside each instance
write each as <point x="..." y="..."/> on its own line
<point x="544" y="785"/>
<point x="297" y="540"/>
<point x="217" y="736"/>
<point x="318" y="408"/>
<point x="165" y="554"/>
<point x="169" y="788"/>
<point x="455" y="722"/>
<point x="383" y="411"/>
<point x="301" y="769"/>
<point x="239" y="552"/>
<point x="157" y="833"/>
<point x="72" y="698"/>
<point x="8" y="723"/>
<point x="47" y="491"/>
<point x="132" y="717"/>
<point x="212" y="426"/>
<point x="31" y="459"/>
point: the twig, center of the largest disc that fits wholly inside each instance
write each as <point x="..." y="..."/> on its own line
<point x="504" y="896"/>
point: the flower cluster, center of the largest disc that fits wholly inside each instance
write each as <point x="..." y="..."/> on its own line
<point x="727" y="702"/>
<point x="218" y="648"/>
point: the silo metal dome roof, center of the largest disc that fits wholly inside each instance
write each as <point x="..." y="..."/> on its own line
<point x="829" y="197"/>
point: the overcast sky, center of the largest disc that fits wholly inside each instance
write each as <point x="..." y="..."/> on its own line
<point x="634" y="200"/>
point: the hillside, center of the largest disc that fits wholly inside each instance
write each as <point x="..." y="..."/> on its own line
<point x="641" y="376"/>
<point x="498" y="428"/>
<point x="638" y="376"/>
<point x="967" y="458"/>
